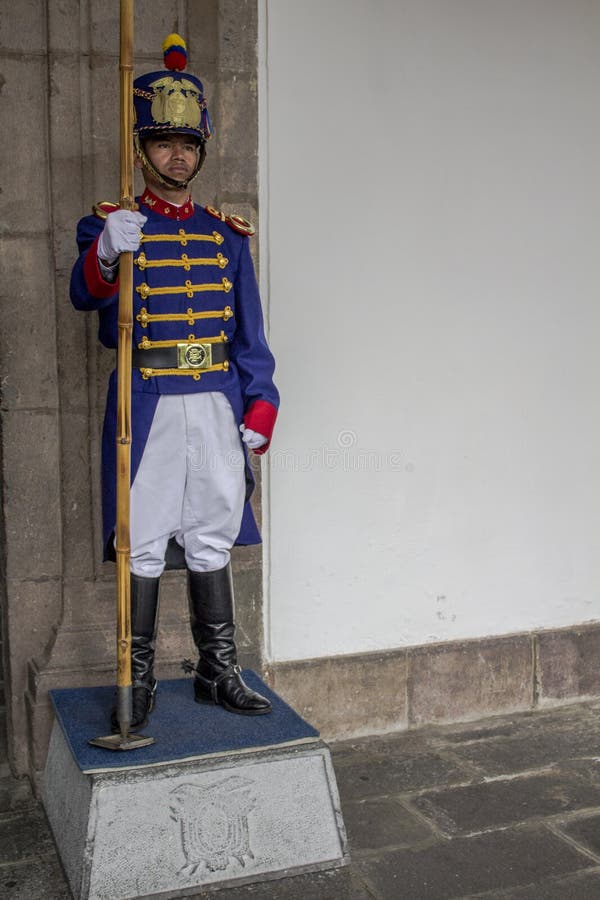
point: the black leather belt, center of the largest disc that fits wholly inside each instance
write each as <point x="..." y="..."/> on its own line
<point x="197" y="355"/>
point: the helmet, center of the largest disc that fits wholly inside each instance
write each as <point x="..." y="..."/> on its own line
<point x="169" y="101"/>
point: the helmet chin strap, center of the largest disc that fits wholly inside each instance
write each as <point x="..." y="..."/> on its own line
<point x="170" y="183"/>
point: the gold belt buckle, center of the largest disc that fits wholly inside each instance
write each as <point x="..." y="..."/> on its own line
<point x="194" y="356"/>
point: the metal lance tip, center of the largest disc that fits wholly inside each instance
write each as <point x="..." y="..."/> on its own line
<point x="124" y="740"/>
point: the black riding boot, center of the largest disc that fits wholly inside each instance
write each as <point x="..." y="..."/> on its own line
<point x="144" y="623"/>
<point x="217" y="675"/>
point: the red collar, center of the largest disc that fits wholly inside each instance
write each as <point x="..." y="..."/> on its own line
<point x="168" y="209"/>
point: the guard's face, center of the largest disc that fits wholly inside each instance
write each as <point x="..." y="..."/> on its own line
<point x="173" y="155"/>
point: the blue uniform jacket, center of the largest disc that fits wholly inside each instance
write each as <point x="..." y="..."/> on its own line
<point x="193" y="280"/>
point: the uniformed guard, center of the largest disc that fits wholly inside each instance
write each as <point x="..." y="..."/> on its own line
<point x="202" y="384"/>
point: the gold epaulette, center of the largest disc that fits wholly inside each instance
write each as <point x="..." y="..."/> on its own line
<point x="103" y="208"/>
<point x="237" y="223"/>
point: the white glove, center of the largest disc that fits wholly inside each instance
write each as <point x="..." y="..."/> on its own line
<point x="253" y="439"/>
<point x="120" y="235"/>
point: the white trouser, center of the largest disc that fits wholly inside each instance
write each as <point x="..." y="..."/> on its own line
<point x="190" y="484"/>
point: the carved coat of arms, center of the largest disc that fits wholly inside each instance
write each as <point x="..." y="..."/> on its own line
<point x="214" y="823"/>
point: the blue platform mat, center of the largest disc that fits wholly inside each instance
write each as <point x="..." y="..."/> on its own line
<point x="181" y="728"/>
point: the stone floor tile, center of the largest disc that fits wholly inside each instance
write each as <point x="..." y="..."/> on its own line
<point x="585" y="831"/>
<point x="41" y="880"/>
<point x="521" y="754"/>
<point x="3" y="740"/>
<point x="388" y="775"/>
<point x="15" y="795"/>
<point x="585" y="767"/>
<point x="498" y="804"/>
<point x="24" y="836"/>
<point x="375" y="824"/>
<point x="413" y="742"/>
<point x="496" y="727"/>
<point x="578" y="715"/>
<point x="339" y="884"/>
<point x="581" y="886"/>
<point x="456" y="869"/>
<point x="352" y="754"/>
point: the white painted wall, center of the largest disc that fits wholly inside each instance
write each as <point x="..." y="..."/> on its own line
<point x="430" y="233"/>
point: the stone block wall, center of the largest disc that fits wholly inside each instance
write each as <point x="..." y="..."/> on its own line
<point x="455" y="681"/>
<point x="59" y="82"/>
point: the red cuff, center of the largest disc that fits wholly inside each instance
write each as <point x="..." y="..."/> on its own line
<point x="261" y="418"/>
<point x="94" y="279"/>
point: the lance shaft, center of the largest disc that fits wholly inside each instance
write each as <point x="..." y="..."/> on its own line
<point x="123" y="548"/>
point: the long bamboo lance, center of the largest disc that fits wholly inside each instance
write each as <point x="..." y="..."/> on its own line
<point x="123" y="548"/>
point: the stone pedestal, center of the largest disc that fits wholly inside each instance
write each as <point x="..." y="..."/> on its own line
<point x="226" y="816"/>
